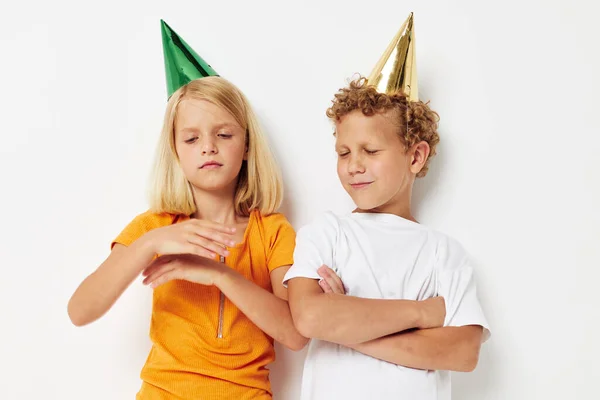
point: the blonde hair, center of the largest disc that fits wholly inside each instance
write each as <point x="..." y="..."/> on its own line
<point x="259" y="180"/>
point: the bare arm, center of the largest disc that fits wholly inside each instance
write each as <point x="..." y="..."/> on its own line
<point x="448" y="348"/>
<point x="100" y="290"/>
<point x="269" y="311"/>
<point x="350" y="320"/>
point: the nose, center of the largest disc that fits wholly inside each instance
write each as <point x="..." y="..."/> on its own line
<point x="355" y="165"/>
<point x="209" y="147"/>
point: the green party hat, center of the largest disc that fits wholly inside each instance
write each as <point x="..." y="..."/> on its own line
<point x="182" y="64"/>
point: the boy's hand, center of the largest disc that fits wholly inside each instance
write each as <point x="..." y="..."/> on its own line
<point x="330" y="282"/>
<point x="186" y="267"/>
<point x="433" y="312"/>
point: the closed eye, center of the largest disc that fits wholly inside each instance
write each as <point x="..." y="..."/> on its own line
<point x="371" y="151"/>
<point x="225" y="135"/>
<point x="191" y="140"/>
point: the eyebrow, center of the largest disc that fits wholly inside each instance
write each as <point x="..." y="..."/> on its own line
<point x="216" y="127"/>
<point x="361" y="144"/>
<point x="186" y="130"/>
<point x="228" y="125"/>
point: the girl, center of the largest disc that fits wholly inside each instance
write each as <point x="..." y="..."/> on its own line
<point x="213" y="249"/>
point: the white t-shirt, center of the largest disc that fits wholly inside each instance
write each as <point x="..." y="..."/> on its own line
<point x="382" y="256"/>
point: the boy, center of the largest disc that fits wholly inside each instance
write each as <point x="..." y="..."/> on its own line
<point x="411" y="312"/>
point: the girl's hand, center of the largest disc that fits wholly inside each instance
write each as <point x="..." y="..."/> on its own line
<point x="183" y="267"/>
<point x="330" y="282"/>
<point x="197" y="237"/>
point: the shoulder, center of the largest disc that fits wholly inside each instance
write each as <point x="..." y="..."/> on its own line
<point x="326" y="225"/>
<point x="144" y="223"/>
<point x="273" y="228"/>
<point x="326" y="220"/>
<point x="269" y="220"/>
<point x="450" y="253"/>
<point x="149" y="220"/>
<point x="272" y="223"/>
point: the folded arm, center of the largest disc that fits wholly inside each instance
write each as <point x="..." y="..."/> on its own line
<point x="349" y="320"/>
<point x="448" y="348"/>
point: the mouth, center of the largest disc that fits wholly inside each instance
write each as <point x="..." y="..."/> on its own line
<point x="360" y="185"/>
<point x="211" y="165"/>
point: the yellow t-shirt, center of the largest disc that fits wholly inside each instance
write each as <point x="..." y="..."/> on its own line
<point x="189" y="359"/>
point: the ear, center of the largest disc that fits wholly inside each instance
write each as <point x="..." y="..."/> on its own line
<point x="419" y="155"/>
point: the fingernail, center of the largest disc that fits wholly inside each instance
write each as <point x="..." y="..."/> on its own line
<point x="232" y="243"/>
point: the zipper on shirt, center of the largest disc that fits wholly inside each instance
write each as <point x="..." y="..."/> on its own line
<point x="221" y="308"/>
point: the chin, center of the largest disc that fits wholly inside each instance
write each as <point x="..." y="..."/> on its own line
<point x="365" y="204"/>
<point x="210" y="186"/>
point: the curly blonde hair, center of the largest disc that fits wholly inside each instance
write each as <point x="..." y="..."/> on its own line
<point x="417" y="122"/>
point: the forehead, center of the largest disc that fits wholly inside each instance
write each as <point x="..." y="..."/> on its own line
<point x="200" y="113"/>
<point x="356" y="127"/>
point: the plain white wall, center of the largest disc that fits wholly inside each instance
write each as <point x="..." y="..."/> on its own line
<point x="516" y="179"/>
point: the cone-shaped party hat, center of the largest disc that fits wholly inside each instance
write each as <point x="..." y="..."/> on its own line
<point x="182" y="64"/>
<point x="397" y="68"/>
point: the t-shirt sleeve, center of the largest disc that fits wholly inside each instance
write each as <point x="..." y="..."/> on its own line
<point x="315" y="246"/>
<point x="282" y="239"/>
<point x="456" y="284"/>
<point x="140" y="225"/>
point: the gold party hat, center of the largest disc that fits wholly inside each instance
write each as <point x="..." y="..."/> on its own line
<point x="396" y="70"/>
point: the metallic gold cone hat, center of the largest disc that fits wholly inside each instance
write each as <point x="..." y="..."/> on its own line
<point x="182" y="64"/>
<point x="396" y="70"/>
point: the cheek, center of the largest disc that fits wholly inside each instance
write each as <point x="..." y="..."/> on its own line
<point x="235" y="151"/>
<point x="233" y="147"/>
<point x="186" y="156"/>
<point x="341" y="168"/>
<point x="376" y="165"/>
<point x="386" y="169"/>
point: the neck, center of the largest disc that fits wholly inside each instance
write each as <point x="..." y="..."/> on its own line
<point x="217" y="206"/>
<point x="401" y="210"/>
<point x="399" y="205"/>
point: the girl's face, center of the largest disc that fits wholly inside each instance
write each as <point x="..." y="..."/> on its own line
<point x="210" y="144"/>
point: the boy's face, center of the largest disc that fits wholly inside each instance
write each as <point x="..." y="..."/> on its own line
<point x="373" y="164"/>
